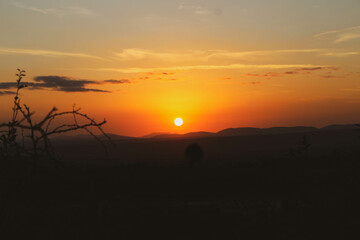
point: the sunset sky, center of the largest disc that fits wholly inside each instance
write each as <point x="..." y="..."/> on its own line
<point x="215" y="63"/>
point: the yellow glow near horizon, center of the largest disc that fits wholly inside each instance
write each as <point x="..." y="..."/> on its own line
<point x="178" y="122"/>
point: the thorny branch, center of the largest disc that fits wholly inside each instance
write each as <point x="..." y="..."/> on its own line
<point x="40" y="131"/>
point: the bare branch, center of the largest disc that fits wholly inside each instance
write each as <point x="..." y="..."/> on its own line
<point x="41" y="131"/>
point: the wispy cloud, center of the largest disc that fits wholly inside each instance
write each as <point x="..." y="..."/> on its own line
<point x="267" y="75"/>
<point x="45" y="53"/>
<point x="116" y="81"/>
<point x="135" y="54"/>
<point x="235" y="55"/>
<point x="341" y="35"/>
<point x="160" y="73"/>
<point x="357" y="89"/>
<point x="202" y="67"/>
<point x="61" y="84"/>
<point x="139" y="54"/>
<point x="304" y="70"/>
<point x="251" y="83"/>
<point x="342" y="54"/>
<point x="70" y="10"/>
<point x="199" y="10"/>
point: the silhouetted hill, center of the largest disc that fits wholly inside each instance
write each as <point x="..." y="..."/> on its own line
<point x="239" y="131"/>
<point x="216" y="148"/>
<point x="85" y="137"/>
<point x="117" y="137"/>
<point x="156" y="134"/>
<point x="247" y="131"/>
<point x="186" y="135"/>
<point x="340" y="127"/>
<point x="264" y="131"/>
<point x="260" y="181"/>
<point x="250" y="131"/>
<point x="199" y="134"/>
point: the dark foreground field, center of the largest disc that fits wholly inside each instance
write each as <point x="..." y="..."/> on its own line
<point x="255" y="187"/>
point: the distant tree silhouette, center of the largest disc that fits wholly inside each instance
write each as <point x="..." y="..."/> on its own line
<point x="194" y="154"/>
<point x="302" y="147"/>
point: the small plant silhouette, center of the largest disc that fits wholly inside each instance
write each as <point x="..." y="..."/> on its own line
<point x="39" y="132"/>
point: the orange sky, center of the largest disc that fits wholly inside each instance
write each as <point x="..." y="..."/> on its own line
<point x="215" y="64"/>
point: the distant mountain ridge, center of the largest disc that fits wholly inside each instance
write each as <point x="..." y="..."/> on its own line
<point x="250" y="131"/>
<point x="340" y="126"/>
<point x="186" y="135"/>
<point x="89" y="137"/>
<point x="154" y="134"/>
<point x="264" y="131"/>
<point x="228" y="132"/>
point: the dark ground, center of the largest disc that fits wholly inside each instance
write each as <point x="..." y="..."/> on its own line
<point x="255" y="187"/>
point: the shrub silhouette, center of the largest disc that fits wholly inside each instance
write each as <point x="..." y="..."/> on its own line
<point x="39" y="132"/>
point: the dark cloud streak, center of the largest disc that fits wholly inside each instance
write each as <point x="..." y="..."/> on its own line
<point x="2" y="93"/>
<point x="293" y="72"/>
<point x="116" y="81"/>
<point x="310" y="69"/>
<point x="62" y="84"/>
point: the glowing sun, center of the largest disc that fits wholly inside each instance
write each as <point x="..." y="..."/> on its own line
<point x="178" y="122"/>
